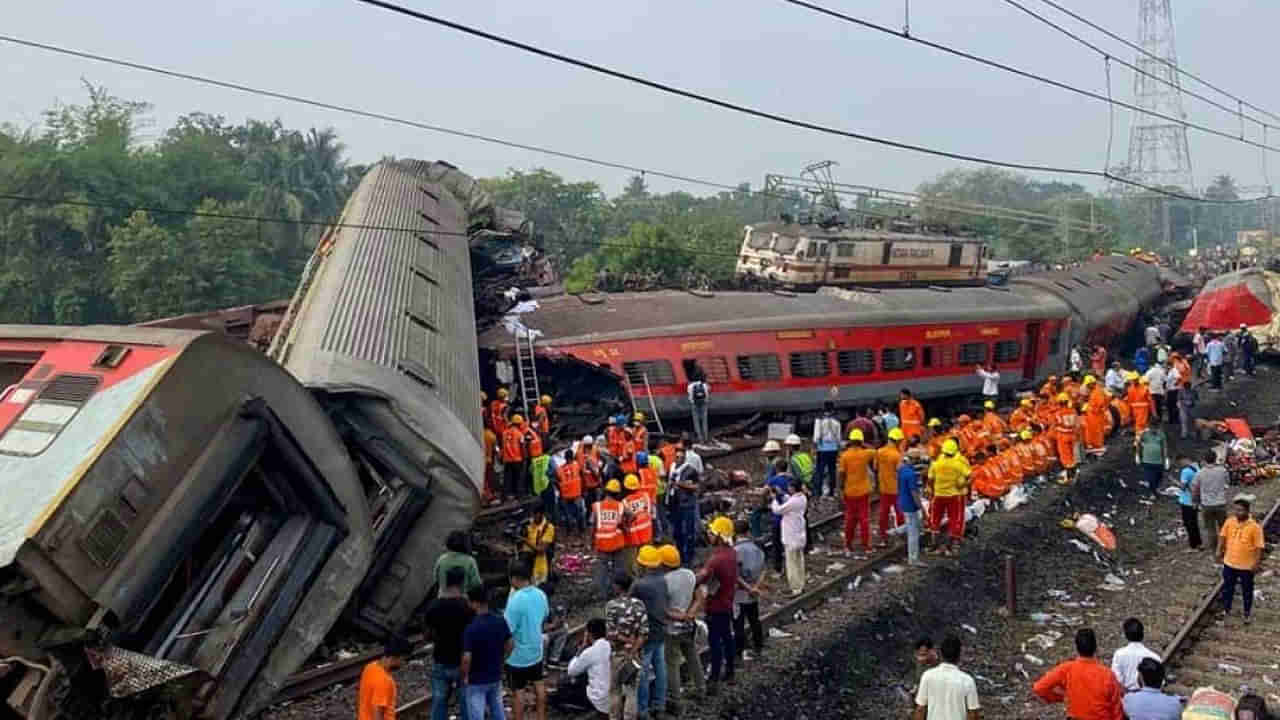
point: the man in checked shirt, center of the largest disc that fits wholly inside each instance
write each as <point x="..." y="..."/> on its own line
<point x="626" y="627"/>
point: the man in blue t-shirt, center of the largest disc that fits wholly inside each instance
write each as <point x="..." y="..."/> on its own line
<point x="910" y="505"/>
<point x="485" y="645"/>
<point x="1187" y="504"/>
<point x="526" y="610"/>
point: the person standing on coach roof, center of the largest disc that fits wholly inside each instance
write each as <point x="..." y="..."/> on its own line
<point x="946" y="692"/>
<point x="699" y="395"/>
<point x="1240" y="551"/>
<point x="525" y="613"/>
<point x="826" y="440"/>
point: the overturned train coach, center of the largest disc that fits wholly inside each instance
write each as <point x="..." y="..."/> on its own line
<point x="185" y="518"/>
<point x="791" y="352"/>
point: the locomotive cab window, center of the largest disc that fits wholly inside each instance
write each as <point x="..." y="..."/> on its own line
<point x="1008" y="351"/>
<point x="973" y="354"/>
<point x="810" y="364"/>
<point x="759" y="367"/>
<point x="897" y="359"/>
<point x="656" y="372"/>
<point x="856" y="362"/>
<point x="712" y="367"/>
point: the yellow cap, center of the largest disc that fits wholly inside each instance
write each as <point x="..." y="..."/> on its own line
<point x="502" y="393"/>
<point x="545" y="400"/>
<point x="1062" y="397"/>
<point x="855" y="435"/>
<point x="896" y="434"/>
<point x="1143" y="380"/>
<point x="1026" y="402"/>
<point x="631" y="482"/>
<point x="1089" y="380"/>
<point x="1025" y="434"/>
<point x="722" y="527"/>
<point x="612" y="486"/>
<point x="935" y="422"/>
<point x="989" y="405"/>
<point x="670" y="556"/>
<point x="950" y="447"/>
<point x="649" y="557"/>
<point x="638" y="417"/>
<point x="517" y="419"/>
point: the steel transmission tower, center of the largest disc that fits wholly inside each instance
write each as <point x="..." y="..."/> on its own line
<point x="1158" y="150"/>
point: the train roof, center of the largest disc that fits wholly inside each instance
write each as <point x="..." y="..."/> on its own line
<point x="847" y="233"/>
<point x="34" y="484"/>
<point x="569" y="319"/>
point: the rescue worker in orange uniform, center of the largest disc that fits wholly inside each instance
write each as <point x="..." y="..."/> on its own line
<point x="541" y="418"/>
<point x="498" y="412"/>
<point x="615" y="438"/>
<point x="1139" y="398"/>
<point x="934" y="437"/>
<point x="491" y="457"/>
<point x="1066" y="424"/>
<point x="1050" y="387"/>
<point x="948" y="483"/>
<point x="984" y="477"/>
<point x="1027" y="455"/>
<point x="648" y="479"/>
<point x="569" y="481"/>
<point x="1095" y="419"/>
<point x="592" y="470"/>
<point x="637" y="521"/>
<point x="910" y="414"/>
<point x="639" y="433"/>
<point x="513" y="459"/>
<point x="1121" y="406"/>
<point x="1021" y="417"/>
<point x="608" y="538"/>
<point x="853" y="471"/>
<point x="887" y="459"/>
<point x="627" y="460"/>
<point x="991" y="421"/>
<point x="1010" y="463"/>
<point x="964" y="434"/>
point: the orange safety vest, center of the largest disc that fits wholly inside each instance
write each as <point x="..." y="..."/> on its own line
<point x="640" y="435"/>
<point x="570" y="476"/>
<point x="1020" y="419"/>
<point x="1027" y="456"/>
<point x="498" y="416"/>
<point x="911" y="416"/>
<point x="649" y="483"/>
<point x="608" y="536"/>
<point x="668" y="454"/>
<point x="591" y="469"/>
<point x="993" y="423"/>
<point x="541" y="421"/>
<point x="535" y="443"/>
<point x="512" y="445"/>
<point x="639" y="529"/>
<point x="615" y="437"/>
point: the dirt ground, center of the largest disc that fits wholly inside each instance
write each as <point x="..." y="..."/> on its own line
<point x="856" y="658"/>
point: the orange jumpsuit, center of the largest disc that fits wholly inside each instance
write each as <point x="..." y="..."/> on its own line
<point x="1095" y="421"/>
<point x="1012" y="465"/>
<point x="911" y="417"/>
<point x="986" y="480"/>
<point x="1020" y="419"/>
<point x="1027" y="456"/>
<point x="1065" y="428"/>
<point x="1043" y="445"/>
<point x="1122" y="409"/>
<point x="994" y="424"/>
<point x="1140" y="405"/>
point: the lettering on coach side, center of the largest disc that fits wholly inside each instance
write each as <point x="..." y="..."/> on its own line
<point x="700" y="346"/>
<point x="937" y="334"/>
<point x="989" y="331"/>
<point x="606" y="353"/>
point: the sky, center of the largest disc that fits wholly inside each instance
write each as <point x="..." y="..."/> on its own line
<point x="763" y="53"/>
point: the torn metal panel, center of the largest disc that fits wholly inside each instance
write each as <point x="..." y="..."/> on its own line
<point x="129" y="673"/>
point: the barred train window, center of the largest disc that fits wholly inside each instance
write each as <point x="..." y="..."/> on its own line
<point x="658" y="372"/>
<point x="1008" y="351"/>
<point x="714" y="367"/>
<point x="759" y="367"/>
<point x="856" y="362"/>
<point x="897" y="359"/>
<point x="972" y="354"/>
<point x="810" y="364"/>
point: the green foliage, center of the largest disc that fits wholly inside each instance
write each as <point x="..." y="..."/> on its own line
<point x="78" y="264"/>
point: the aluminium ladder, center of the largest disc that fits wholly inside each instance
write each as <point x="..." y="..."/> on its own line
<point x="527" y="371"/>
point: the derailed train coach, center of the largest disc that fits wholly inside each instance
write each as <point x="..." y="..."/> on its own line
<point x="180" y="526"/>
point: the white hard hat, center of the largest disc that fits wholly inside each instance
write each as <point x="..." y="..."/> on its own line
<point x="792" y="439"/>
<point x="600" y="440"/>
<point x="588" y="440"/>
<point x="772" y="446"/>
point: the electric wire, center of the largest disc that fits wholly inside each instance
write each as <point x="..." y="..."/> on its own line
<point x="1012" y="70"/>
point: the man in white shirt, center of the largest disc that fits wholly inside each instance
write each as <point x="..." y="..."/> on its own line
<point x="990" y="382"/>
<point x="1077" y="359"/>
<point x="1114" y="380"/>
<point x="1155" y="383"/>
<point x="1172" y="383"/>
<point x="1125" y="661"/>
<point x="946" y="692"/>
<point x="593" y="659"/>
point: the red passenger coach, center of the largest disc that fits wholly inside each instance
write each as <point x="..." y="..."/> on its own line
<point x="764" y="351"/>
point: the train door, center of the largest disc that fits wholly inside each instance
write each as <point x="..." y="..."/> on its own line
<point x="1029" y="358"/>
<point x="957" y="255"/>
<point x="823" y="253"/>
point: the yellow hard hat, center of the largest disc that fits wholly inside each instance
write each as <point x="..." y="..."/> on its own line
<point x="670" y="555"/>
<point x="638" y="417"/>
<point x="517" y="419"/>
<point x="989" y="405"/>
<point x="1143" y="380"/>
<point x="631" y="482"/>
<point x="722" y="527"/>
<point x="896" y="434"/>
<point x="1089" y="380"/>
<point x="502" y="393"/>
<point x="1026" y="402"/>
<point x="649" y="557"/>
<point x="612" y="486"/>
<point x="855" y="435"/>
<point x="1025" y="434"/>
<point x="1062" y="398"/>
<point x="950" y="447"/>
<point x="935" y="422"/>
<point x="545" y="400"/>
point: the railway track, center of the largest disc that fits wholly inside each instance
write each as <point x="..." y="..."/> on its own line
<point x="1233" y="656"/>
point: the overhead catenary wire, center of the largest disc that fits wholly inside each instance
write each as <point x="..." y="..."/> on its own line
<point x="786" y="120"/>
<point x="1005" y="67"/>
<point x="240" y="87"/>
<point x="1185" y="73"/>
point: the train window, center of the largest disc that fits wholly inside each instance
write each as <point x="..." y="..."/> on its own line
<point x="48" y="413"/>
<point x="656" y="372"/>
<point x="856" y="362"/>
<point x="713" y="367"/>
<point x="972" y="354"/>
<point x="785" y="243"/>
<point x="757" y="240"/>
<point x="926" y="356"/>
<point x="844" y="250"/>
<point x="759" y="367"/>
<point x="810" y="364"/>
<point x="1008" y="351"/>
<point x="897" y="359"/>
<point x="935" y="356"/>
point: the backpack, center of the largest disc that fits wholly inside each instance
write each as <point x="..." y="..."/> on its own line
<point x="699" y="391"/>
